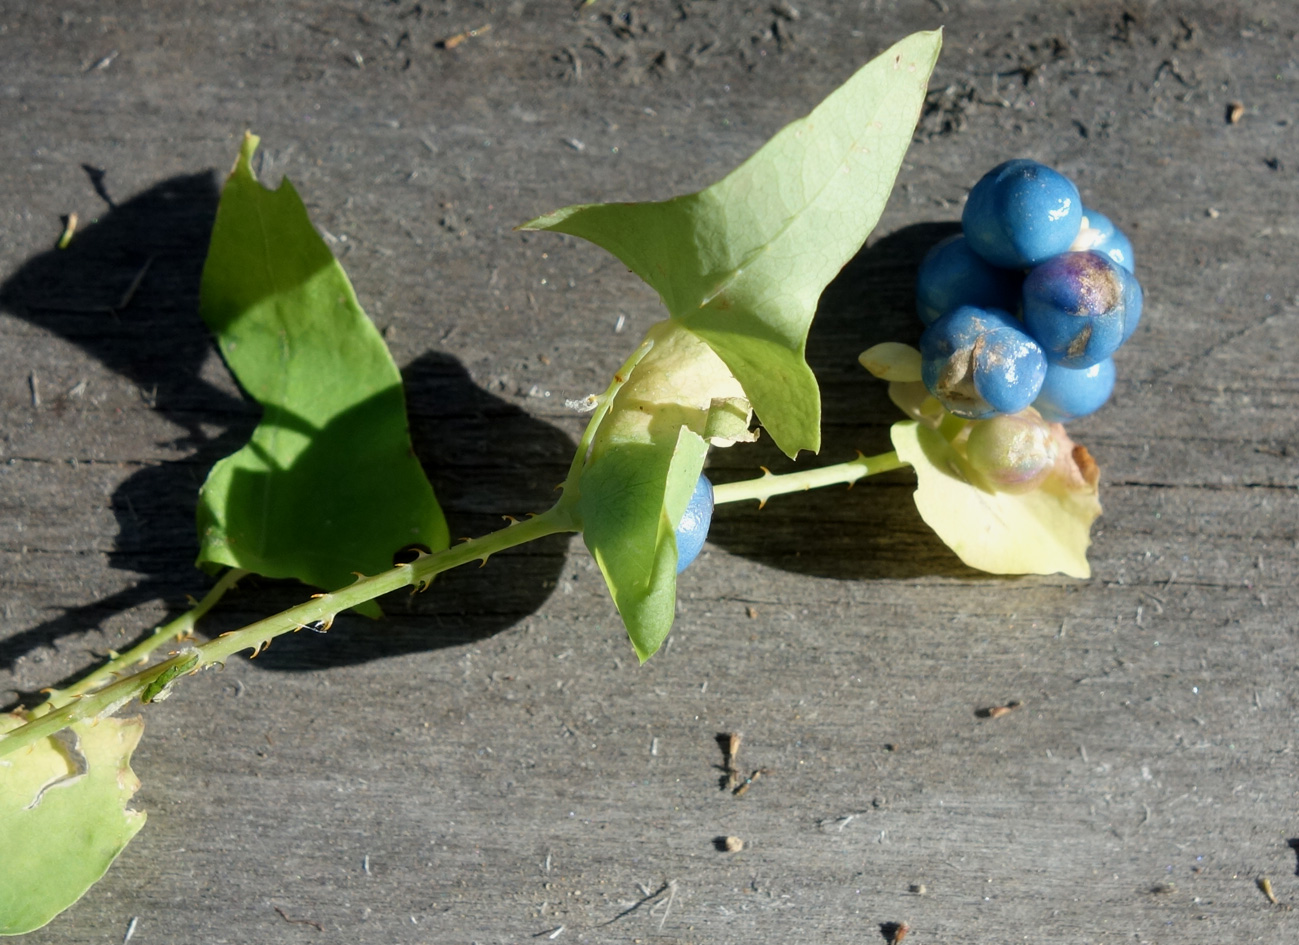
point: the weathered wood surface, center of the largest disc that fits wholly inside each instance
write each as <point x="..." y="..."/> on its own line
<point x="490" y="764"/>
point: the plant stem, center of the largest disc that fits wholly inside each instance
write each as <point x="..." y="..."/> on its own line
<point x="769" y="484"/>
<point x="93" y="696"/>
<point x="117" y="664"/>
<point x="320" y="609"/>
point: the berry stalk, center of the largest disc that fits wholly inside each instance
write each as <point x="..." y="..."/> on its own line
<point x="770" y="484"/>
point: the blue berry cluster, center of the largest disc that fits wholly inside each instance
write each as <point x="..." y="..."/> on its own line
<point x="1027" y="305"/>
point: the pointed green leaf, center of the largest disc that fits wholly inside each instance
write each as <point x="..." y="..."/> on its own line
<point x="743" y="263"/>
<point x="63" y="817"/>
<point x="644" y="460"/>
<point x="1044" y="531"/>
<point x="328" y="484"/>
<point x="630" y="505"/>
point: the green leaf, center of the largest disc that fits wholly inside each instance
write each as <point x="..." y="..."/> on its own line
<point x="631" y="503"/>
<point x="63" y="817"/>
<point x="1044" y="531"/>
<point x="328" y="484"/>
<point x="642" y="465"/>
<point x="743" y="263"/>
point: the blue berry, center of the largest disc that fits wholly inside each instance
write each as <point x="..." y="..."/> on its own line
<point x="980" y="362"/>
<point x="1080" y="307"/>
<point x="1068" y="393"/>
<point x="1099" y="234"/>
<point x="693" y="528"/>
<point x="952" y="275"/>
<point x="1013" y="452"/>
<point x="1021" y="213"/>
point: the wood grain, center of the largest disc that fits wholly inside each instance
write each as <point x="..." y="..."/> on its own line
<point x="490" y="764"/>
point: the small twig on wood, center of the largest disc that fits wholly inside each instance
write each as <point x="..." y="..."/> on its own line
<point x="283" y="915"/>
<point x="669" y="887"/>
<point x="747" y="782"/>
<point x="729" y="742"/>
<point x="997" y="711"/>
<point x="451" y="42"/>
<point x="135" y="284"/>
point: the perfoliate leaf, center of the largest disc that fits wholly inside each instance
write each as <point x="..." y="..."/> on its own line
<point x="743" y="263"/>
<point x="328" y="484"/>
<point x="1044" y="531"/>
<point x="643" y="462"/>
<point x="631" y="502"/>
<point x="63" y="816"/>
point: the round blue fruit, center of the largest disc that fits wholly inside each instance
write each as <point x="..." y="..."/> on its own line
<point x="1099" y="234"/>
<point x="980" y="362"/>
<point x="695" y="521"/>
<point x="1080" y="307"/>
<point x="1021" y="213"/>
<point x="952" y="275"/>
<point x="1068" y="394"/>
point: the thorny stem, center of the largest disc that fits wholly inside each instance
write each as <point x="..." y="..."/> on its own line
<point x="320" y="609"/>
<point x="94" y="696"/>
<point x="174" y="630"/>
<point x="769" y="484"/>
<point x="83" y="700"/>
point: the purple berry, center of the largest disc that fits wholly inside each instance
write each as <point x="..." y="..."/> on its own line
<point x="952" y="275"/>
<point x="1099" y="234"/>
<point x="1080" y="307"/>
<point x="695" y="520"/>
<point x="1069" y="393"/>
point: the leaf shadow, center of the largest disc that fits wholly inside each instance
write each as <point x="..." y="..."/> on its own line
<point x="483" y="456"/>
<point x="125" y="291"/>
<point x="872" y="530"/>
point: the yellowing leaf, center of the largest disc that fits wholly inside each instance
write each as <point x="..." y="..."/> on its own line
<point x="1044" y="531"/>
<point x="63" y="816"/>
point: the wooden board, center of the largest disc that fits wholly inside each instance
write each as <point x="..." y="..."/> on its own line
<point x="490" y="764"/>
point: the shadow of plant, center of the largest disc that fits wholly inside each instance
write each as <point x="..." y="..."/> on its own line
<point x="485" y="457"/>
<point x="873" y="529"/>
<point x="126" y="292"/>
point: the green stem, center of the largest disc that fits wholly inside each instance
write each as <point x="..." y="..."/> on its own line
<point x="94" y="696"/>
<point x="117" y="664"/>
<point x="256" y="636"/>
<point x="769" y="484"/>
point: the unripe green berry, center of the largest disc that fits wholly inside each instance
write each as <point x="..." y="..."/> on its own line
<point x="1013" y="452"/>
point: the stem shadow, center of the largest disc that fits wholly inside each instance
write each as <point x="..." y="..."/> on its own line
<point x="125" y="291"/>
<point x="872" y="530"/>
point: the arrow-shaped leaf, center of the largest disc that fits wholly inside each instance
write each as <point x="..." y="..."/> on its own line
<point x="328" y="484"/>
<point x="743" y="263"/>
